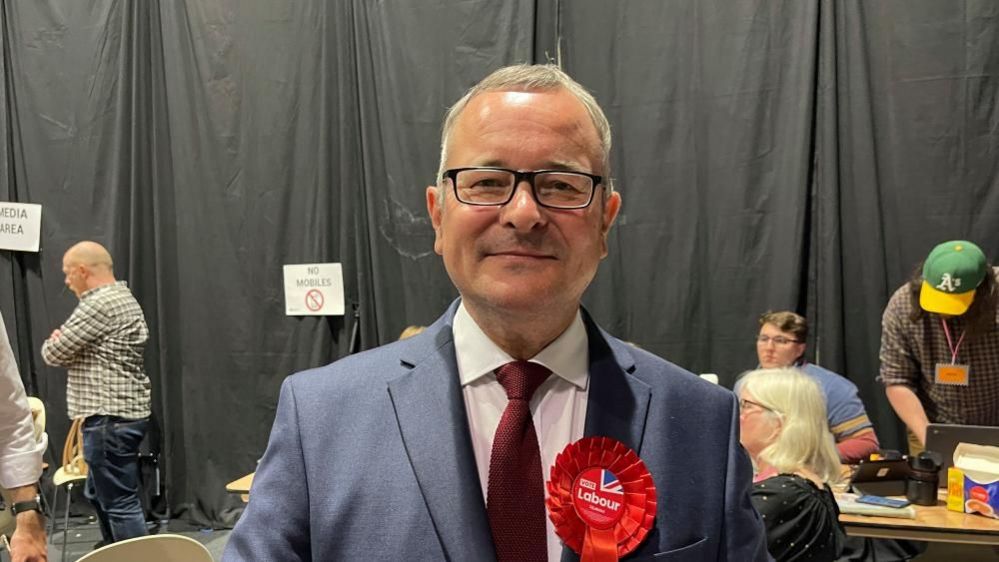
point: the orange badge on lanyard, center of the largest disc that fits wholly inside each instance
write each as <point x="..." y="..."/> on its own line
<point x="952" y="373"/>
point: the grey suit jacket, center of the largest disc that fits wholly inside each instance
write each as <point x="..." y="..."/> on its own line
<point x="370" y="458"/>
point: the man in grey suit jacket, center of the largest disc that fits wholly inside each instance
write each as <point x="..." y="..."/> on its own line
<point x="390" y="454"/>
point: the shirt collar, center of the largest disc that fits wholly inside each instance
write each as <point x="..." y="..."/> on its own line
<point x="88" y="292"/>
<point x="478" y="356"/>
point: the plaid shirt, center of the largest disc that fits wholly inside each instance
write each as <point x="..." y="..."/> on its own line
<point x="102" y="344"/>
<point x="910" y="352"/>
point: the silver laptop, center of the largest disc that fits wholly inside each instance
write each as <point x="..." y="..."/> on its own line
<point x="944" y="437"/>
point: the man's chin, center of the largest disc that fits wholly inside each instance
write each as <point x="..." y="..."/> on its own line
<point x="515" y="298"/>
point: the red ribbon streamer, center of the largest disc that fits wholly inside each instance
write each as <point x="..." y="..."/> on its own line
<point x="600" y="545"/>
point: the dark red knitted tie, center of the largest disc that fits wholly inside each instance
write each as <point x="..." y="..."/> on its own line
<point x="515" y="499"/>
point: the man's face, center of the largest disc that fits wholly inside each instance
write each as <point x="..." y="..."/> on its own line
<point x="76" y="278"/>
<point x="780" y="348"/>
<point x="522" y="256"/>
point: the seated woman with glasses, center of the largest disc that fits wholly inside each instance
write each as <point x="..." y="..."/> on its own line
<point x="783" y="428"/>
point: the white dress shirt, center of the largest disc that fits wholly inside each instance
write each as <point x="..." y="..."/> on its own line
<point x="20" y="454"/>
<point x="558" y="407"/>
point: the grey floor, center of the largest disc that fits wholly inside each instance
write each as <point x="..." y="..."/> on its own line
<point x="84" y="533"/>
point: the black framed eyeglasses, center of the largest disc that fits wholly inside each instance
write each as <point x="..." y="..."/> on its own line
<point x="556" y="189"/>
<point x="745" y="404"/>
<point x="778" y="340"/>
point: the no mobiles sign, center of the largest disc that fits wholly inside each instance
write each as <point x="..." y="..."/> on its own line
<point x="313" y="289"/>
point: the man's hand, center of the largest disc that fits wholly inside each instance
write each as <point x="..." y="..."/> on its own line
<point x="56" y="334"/>
<point x="920" y="431"/>
<point x="28" y="543"/>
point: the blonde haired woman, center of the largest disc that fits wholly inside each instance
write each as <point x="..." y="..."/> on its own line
<point x="784" y="429"/>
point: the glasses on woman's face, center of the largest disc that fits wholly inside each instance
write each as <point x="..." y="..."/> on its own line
<point x="748" y="405"/>
<point x="763" y="339"/>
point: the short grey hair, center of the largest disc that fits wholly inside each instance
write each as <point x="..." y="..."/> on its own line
<point x="532" y="78"/>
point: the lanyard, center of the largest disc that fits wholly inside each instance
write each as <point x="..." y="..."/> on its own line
<point x="950" y="344"/>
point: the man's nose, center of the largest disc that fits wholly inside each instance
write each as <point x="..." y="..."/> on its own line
<point x="522" y="211"/>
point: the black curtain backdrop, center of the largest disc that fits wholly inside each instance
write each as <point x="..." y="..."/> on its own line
<point x="771" y="154"/>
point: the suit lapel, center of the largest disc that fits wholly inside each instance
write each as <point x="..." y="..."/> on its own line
<point x="618" y="401"/>
<point x="430" y="412"/>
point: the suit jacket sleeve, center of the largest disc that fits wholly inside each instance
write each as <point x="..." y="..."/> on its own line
<point x="275" y="524"/>
<point x="20" y="453"/>
<point x="744" y="537"/>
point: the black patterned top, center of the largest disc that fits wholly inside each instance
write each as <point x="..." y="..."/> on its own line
<point x="802" y="520"/>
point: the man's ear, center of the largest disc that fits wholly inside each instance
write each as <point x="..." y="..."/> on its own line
<point x="612" y="205"/>
<point x="86" y="273"/>
<point x="435" y="208"/>
<point x="800" y="347"/>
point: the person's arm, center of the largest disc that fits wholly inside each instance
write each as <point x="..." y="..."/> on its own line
<point x="86" y="325"/>
<point x="848" y="422"/>
<point x="766" y="502"/>
<point x="908" y="407"/>
<point x="28" y="544"/>
<point x="744" y="536"/>
<point x="854" y="448"/>
<point x="20" y="453"/>
<point x="20" y="456"/>
<point x="791" y="514"/>
<point x="900" y="368"/>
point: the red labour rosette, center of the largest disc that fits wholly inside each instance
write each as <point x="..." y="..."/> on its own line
<point x="601" y="499"/>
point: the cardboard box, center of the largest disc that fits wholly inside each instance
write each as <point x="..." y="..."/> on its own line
<point x="980" y="465"/>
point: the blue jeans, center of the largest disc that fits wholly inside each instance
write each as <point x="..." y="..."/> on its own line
<point x="111" y="449"/>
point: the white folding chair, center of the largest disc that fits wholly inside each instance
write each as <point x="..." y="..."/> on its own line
<point x="151" y="548"/>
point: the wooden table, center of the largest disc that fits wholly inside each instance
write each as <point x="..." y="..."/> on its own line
<point x="932" y="523"/>
<point x="241" y="486"/>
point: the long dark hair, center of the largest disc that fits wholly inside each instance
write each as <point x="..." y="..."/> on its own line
<point x="980" y="316"/>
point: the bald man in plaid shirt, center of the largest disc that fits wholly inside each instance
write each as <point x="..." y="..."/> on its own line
<point x="102" y="345"/>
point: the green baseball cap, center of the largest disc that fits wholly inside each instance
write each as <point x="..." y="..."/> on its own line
<point x="951" y="273"/>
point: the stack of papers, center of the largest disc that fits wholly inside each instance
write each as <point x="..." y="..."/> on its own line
<point x="848" y="504"/>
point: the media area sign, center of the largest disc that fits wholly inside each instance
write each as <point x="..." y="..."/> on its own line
<point x="20" y="226"/>
<point x="313" y="289"/>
